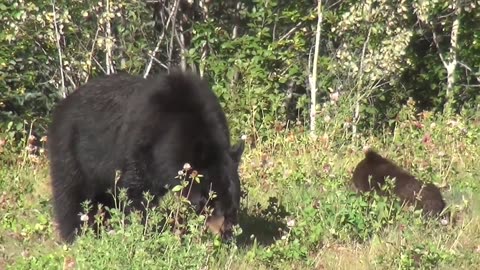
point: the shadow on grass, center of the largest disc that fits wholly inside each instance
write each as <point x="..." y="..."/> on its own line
<point x="266" y="225"/>
<point x="263" y="230"/>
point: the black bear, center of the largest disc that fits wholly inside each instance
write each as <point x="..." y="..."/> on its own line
<point x="372" y="171"/>
<point x="147" y="129"/>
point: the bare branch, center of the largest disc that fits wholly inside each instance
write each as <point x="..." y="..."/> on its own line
<point x="435" y="40"/>
<point x="290" y="32"/>
<point x="174" y="31"/>
<point x="59" y="49"/>
<point x="158" y="61"/>
<point x="91" y="54"/>
<point x="160" y="39"/>
<point x="364" y="49"/>
<point x="181" y="42"/>
<point x="469" y="69"/>
<point x="152" y="56"/>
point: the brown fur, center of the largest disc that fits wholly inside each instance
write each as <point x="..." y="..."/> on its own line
<point x="426" y="196"/>
<point x="216" y="225"/>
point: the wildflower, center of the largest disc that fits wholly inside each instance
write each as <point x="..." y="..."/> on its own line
<point x="187" y="166"/>
<point x="244" y="137"/>
<point x="444" y="222"/>
<point x="334" y="96"/>
<point x="291" y="223"/>
<point x="84" y="217"/>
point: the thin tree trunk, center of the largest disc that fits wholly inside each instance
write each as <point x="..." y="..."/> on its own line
<point x="451" y="66"/>
<point x="108" y="41"/>
<point x="313" y="75"/>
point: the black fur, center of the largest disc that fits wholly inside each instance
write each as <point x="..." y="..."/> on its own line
<point x="409" y="189"/>
<point x="147" y="129"/>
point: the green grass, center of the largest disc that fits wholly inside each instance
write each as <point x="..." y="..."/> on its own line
<point x="300" y="211"/>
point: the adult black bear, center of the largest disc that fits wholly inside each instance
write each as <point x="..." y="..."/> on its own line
<point x="147" y="129"/>
<point x="406" y="187"/>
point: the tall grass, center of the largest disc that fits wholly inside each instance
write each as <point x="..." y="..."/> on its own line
<point x="299" y="210"/>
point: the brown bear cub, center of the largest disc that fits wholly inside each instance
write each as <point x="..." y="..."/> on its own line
<point x="372" y="171"/>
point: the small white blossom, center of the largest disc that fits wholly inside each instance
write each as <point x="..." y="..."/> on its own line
<point x="291" y="223"/>
<point x="334" y="96"/>
<point x="244" y="137"/>
<point x="187" y="166"/>
<point x="84" y="217"/>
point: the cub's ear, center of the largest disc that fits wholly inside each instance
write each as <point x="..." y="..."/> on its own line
<point x="237" y="151"/>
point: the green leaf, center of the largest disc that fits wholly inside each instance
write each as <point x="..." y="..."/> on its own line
<point x="177" y="188"/>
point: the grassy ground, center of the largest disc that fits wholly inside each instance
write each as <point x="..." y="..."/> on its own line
<point x="300" y="211"/>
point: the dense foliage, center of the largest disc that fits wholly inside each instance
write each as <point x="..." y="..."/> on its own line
<point x="257" y="54"/>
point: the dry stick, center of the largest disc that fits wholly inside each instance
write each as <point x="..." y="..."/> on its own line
<point x="181" y="42"/>
<point x="202" y="62"/>
<point x="59" y="49"/>
<point x="174" y="31"/>
<point x="26" y="144"/>
<point x="236" y="27"/>
<point x="290" y="32"/>
<point x="91" y="55"/>
<point x="174" y="22"/>
<point x="158" y="61"/>
<point x="313" y="76"/>
<point x="157" y="47"/>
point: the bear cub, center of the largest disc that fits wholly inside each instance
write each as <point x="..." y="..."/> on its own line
<point x="371" y="173"/>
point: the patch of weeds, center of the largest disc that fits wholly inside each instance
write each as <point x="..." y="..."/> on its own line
<point x="419" y="256"/>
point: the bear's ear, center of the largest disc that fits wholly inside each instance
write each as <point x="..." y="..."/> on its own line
<point x="237" y="151"/>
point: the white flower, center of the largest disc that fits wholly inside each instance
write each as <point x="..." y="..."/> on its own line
<point x="291" y="223"/>
<point x="187" y="166"/>
<point x="334" y="96"/>
<point x="84" y="217"/>
<point x="244" y="137"/>
<point x="444" y="222"/>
